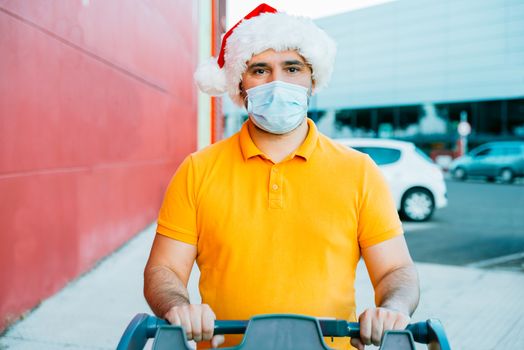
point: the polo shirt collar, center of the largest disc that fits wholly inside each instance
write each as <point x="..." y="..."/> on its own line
<point x="249" y="149"/>
<point x="310" y="143"/>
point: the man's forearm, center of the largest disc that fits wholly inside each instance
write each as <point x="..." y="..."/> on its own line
<point x="399" y="290"/>
<point x="163" y="289"/>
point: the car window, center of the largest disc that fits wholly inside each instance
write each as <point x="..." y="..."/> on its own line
<point x="484" y="152"/>
<point x="381" y="155"/>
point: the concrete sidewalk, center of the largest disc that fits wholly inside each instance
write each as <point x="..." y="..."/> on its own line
<point x="480" y="309"/>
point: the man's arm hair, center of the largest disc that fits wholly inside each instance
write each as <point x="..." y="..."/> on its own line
<point x="393" y="274"/>
<point x="399" y="290"/>
<point x="167" y="273"/>
<point x="163" y="289"/>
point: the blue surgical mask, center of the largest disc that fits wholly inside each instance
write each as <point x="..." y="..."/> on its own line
<point x="277" y="107"/>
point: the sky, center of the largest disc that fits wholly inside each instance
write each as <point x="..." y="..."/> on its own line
<point x="237" y="9"/>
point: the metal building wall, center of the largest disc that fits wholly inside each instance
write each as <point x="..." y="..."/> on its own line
<point x="97" y="108"/>
<point x="413" y="51"/>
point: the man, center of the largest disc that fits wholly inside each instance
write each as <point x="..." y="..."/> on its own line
<point x="278" y="216"/>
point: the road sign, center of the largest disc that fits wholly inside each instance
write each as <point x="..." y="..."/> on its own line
<point x="464" y="128"/>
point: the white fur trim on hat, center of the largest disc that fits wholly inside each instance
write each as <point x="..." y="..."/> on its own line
<point x="210" y="78"/>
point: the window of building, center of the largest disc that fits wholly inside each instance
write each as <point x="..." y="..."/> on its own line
<point x="488" y="118"/>
<point x="515" y="110"/>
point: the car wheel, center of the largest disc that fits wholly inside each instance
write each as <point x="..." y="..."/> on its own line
<point x="506" y="175"/>
<point x="417" y="205"/>
<point x="460" y="174"/>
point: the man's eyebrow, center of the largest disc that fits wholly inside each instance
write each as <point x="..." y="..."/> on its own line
<point x="258" y="65"/>
<point x="293" y="63"/>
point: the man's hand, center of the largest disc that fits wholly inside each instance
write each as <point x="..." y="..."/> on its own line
<point x="374" y="322"/>
<point x="198" y="320"/>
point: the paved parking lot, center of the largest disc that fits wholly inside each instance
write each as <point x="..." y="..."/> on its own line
<point x="483" y="226"/>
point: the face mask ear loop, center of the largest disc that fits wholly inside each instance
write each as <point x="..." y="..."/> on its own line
<point x="309" y="94"/>
<point x="244" y="93"/>
<point x="245" y="100"/>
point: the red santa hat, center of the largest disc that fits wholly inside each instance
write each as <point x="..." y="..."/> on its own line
<point x="262" y="29"/>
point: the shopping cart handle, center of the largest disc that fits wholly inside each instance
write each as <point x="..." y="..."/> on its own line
<point x="420" y="332"/>
<point x="330" y="328"/>
<point x="144" y="326"/>
<point x="141" y="328"/>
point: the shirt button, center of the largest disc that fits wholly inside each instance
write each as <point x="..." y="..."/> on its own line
<point x="275" y="170"/>
<point x="275" y="187"/>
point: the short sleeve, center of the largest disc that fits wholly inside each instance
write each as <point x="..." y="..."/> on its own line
<point x="378" y="216"/>
<point x="177" y="217"/>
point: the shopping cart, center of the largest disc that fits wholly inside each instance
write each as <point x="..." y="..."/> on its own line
<point x="279" y="332"/>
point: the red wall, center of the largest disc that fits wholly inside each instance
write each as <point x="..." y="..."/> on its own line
<point x="97" y="108"/>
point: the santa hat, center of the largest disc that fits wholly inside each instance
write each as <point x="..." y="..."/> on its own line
<point x="265" y="28"/>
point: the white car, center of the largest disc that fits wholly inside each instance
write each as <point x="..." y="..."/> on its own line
<point x="416" y="182"/>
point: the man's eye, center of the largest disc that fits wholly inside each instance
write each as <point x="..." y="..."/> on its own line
<point x="260" y="71"/>
<point x="293" y="69"/>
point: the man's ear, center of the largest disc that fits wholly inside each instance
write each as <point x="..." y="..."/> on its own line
<point x="312" y="87"/>
<point x="243" y="93"/>
<point x="241" y="89"/>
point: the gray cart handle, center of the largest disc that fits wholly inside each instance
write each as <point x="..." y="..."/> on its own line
<point x="144" y="326"/>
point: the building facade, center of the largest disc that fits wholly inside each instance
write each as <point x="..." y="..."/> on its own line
<point x="412" y="69"/>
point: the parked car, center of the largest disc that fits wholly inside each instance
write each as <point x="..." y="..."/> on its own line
<point x="416" y="182"/>
<point x="502" y="160"/>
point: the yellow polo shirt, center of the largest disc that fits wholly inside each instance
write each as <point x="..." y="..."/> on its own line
<point x="279" y="238"/>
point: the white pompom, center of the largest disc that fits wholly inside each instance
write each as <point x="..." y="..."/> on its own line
<point x="210" y="78"/>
